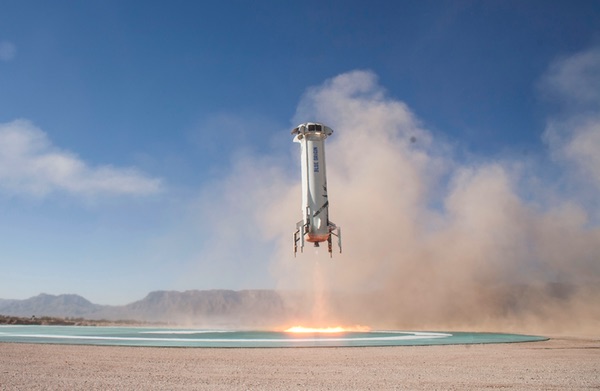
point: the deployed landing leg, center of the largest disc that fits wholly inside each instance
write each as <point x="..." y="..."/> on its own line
<point x="301" y="230"/>
<point x="335" y="231"/>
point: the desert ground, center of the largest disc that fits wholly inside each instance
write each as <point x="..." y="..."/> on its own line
<point x="557" y="364"/>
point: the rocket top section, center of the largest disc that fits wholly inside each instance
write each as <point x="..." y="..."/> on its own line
<point x="313" y="129"/>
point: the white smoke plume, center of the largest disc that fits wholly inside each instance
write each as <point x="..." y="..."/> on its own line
<point x="573" y="136"/>
<point x="430" y="241"/>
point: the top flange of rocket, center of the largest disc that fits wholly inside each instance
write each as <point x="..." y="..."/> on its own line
<point x="315" y="226"/>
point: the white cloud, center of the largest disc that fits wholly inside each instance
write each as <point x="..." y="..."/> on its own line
<point x="8" y="51"/>
<point x="31" y="164"/>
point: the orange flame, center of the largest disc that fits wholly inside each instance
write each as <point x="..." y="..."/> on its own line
<point x="334" y="329"/>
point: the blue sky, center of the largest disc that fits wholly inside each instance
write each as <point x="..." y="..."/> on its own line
<point x="124" y="121"/>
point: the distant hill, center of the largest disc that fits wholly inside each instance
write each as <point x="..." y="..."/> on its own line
<point x="49" y="305"/>
<point x="212" y="307"/>
<point x="203" y="308"/>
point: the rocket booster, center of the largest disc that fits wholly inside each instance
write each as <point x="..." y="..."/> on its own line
<point x="315" y="226"/>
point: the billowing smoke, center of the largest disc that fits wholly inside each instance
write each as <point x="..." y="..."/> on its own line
<point x="432" y="241"/>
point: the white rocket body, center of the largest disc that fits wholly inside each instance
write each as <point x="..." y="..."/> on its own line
<point x="315" y="226"/>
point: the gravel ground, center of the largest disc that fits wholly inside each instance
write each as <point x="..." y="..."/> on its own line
<point x="558" y="364"/>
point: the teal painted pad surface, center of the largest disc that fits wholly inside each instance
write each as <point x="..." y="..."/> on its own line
<point x="163" y="337"/>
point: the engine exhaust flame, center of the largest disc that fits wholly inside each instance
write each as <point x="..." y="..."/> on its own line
<point x="334" y="329"/>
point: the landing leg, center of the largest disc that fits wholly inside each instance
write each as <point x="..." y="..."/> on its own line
<point x="336" y="231"/>
<point x="301" y="229"/>
<point x="295" y="243"/>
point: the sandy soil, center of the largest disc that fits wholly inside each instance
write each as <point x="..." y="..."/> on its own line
<point x="558" y="364"/>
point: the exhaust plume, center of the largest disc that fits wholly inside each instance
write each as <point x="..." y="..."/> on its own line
<point x="435" y="242"/>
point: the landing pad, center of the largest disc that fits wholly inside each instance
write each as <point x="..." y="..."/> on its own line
<point x="162" y="337"/>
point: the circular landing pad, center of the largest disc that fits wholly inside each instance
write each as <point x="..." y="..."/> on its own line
<point x="162" y="337"/>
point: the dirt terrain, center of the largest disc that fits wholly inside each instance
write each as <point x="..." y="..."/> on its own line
<point x="558" y="364"/>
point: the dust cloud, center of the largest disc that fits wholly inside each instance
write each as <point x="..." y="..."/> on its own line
<point x="434" y="241"/>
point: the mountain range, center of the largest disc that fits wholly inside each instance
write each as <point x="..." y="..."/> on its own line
<point x="208" y="308"/>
